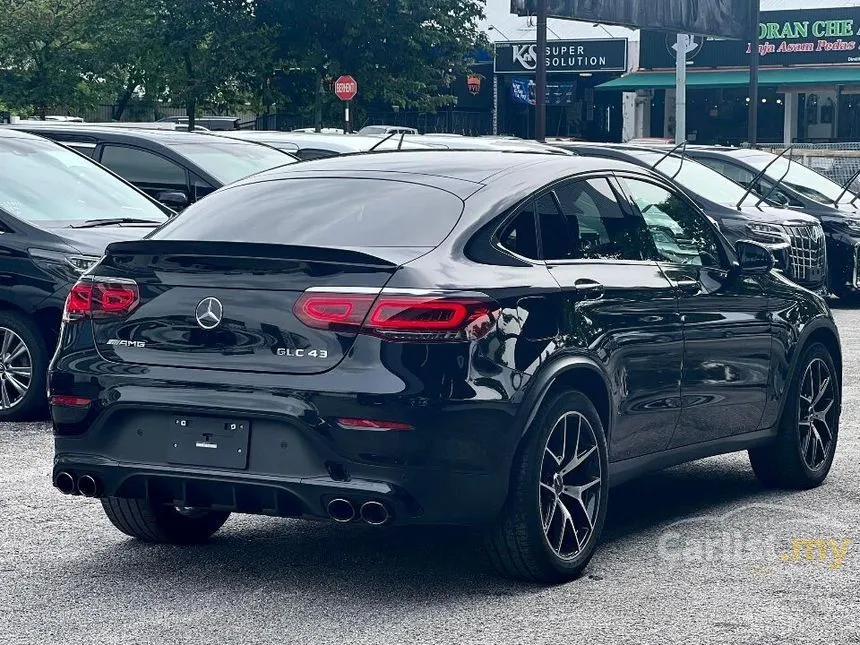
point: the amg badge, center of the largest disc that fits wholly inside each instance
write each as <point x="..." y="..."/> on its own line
<point x="127" y="343"/>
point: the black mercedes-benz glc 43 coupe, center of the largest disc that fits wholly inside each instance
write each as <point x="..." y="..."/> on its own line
<point x="435" y="337"/>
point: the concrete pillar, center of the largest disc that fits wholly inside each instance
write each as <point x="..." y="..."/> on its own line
<point x="629" y="112"/>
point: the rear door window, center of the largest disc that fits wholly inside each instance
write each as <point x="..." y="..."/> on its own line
<point x="592" y="225"/>
<point x="143" y="167"/>
<point x="337" y="211"/>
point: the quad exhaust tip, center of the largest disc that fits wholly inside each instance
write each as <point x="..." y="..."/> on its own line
<point x="341" y="510"/>
<point x="65" y="483"/>
<point x="88" y="486"/>
<point x="375" y="513"/>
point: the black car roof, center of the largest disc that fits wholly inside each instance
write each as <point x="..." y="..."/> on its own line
<point x="8" y="133"/>
<point x="114" y="133"/>
<point x="472" y="166"/>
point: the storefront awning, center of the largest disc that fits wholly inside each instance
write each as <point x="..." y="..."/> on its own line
<point x="784" y="77"/>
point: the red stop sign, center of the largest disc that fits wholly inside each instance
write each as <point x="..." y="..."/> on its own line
<point x="345" y="88"/>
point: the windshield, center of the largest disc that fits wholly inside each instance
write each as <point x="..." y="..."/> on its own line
<point x="43" y="181"/>
<point x="700" y="180"/>
<point x="800" y="179"/>
<point x="229" y="161"/>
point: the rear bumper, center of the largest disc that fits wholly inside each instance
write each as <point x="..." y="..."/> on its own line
<point x="452" y="467"/>
<point x="453" y="498"/>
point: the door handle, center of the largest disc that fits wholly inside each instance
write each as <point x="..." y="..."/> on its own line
<point x="589" y="289"/>
<point x="687" y="285"/>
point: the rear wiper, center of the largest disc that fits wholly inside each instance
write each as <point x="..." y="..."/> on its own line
<point x="781" y="179"/>
<point x="376" y="145"/>
<point x="761" y="174"/>
<point x="847" y="188"/>
<point x="95" y="223"/>
<point x="681" y="145"/>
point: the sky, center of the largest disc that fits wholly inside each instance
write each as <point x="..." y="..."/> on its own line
<point x="501" y="25"/>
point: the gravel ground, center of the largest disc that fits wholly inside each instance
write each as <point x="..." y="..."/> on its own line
<point x="694" y="554"/>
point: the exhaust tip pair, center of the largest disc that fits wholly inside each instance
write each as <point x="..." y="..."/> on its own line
<point x="372" y="512"/>
<point x="86" y="485"/>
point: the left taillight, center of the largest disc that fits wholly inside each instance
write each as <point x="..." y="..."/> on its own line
<point x="101" y="298"/>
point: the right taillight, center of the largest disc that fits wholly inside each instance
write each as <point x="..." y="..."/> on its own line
<point x="101" y="298"/>
<point x="399" y="317"/>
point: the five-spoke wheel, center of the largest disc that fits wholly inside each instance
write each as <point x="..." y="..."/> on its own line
<point x="570" y="485"/>
<point x="556" y="506"/>
<point x="802" y="453"/>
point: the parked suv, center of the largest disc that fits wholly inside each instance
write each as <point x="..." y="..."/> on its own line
<point x="795" y="239"/>
<point x="176" y="168"/>
<point x="58" y="212"/>
<point x="804" y="191"/>
<point x="496" y="354"/>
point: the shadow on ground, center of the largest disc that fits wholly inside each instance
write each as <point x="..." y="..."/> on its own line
<point x="394" y="563"/>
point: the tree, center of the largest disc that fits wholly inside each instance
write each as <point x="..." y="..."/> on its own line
<point x="42" y="45"/>
<point x="212" y="48"/>
<point x="403" y="53"/>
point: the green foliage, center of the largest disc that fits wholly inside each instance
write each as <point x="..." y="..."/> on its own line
<point x="218" y="54"/>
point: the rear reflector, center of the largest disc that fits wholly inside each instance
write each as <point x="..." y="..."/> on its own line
<point x="369" y="424"/>
<point x="70" y="401"/>
<point x="101" y="298"/>
<point x="398" y="317"/>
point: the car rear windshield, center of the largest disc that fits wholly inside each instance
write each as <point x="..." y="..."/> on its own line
<point x="229" y="161"/>
<point x="337" y="211"/>
<point x="699" y="179"/>
<point x="41" y="181"/>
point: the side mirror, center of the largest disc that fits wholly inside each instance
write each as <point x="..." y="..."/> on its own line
<point x="175" y="199"/>
<point x="754" y="258"/>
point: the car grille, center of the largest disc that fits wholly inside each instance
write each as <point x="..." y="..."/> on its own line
<point x="807" y="255"/>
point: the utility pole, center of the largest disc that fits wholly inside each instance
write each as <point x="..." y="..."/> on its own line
<point x="752" y="136"/>
<point x="540" y="73"/>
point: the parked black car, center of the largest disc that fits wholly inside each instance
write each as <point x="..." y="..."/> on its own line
<point x="479" y="338"/>
<point x="805" y="191"/>
<point x="176" y="168"/>
<point x="795" y="239"/>
<point x="58" y="212"/>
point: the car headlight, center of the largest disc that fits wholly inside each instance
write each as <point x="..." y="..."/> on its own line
<point x="852" y="225"/>
<point x="64" y="264"/>
<point x="768" y="233"/>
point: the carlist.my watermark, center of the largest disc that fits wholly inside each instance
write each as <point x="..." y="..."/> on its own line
<point x="757" y="535"/>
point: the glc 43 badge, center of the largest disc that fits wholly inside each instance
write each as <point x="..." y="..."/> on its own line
<point x="302" y="353"/>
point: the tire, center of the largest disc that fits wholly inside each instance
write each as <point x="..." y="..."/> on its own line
<point x="22" y="350"/>
<point x="160" y="523"/>
<point x="786" y="462"/>
<point x="517" y="544"/>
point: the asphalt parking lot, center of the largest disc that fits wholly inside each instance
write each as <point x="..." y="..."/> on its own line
<point x="695" y="554"/>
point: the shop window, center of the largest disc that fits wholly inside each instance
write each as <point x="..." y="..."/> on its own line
<point x="812" y="109"/>
<point x="828" y="111"/>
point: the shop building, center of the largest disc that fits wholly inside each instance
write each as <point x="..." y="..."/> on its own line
<point x="809" y="81"/>
<point x="574" y="69"/>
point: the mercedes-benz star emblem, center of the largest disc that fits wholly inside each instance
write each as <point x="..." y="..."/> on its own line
<point x="209" y="313"/>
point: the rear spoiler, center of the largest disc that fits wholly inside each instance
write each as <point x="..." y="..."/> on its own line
<point x="386" y="257"/>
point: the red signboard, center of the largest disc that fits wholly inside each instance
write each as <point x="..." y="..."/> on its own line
<point x="345" y="88"/>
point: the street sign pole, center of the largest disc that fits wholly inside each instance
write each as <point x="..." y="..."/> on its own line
<point x="345" y="88"/>
<point x="752" y="135"/>
<point x="681" y="89"/>
<point x="540" y="73"/>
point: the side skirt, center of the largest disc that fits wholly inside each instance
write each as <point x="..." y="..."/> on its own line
<point x="623" y="471"/>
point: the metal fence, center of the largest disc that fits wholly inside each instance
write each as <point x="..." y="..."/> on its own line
<point x="837" y="161"/>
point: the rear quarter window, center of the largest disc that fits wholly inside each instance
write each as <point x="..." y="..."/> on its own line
<point x="337" y="211"/>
